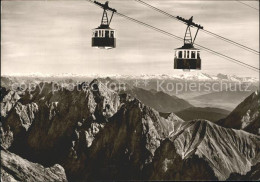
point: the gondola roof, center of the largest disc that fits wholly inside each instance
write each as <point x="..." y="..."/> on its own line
<point x="104" y="27"/>
<point x="187" y="46"/>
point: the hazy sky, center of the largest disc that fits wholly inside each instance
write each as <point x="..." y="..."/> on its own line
<point x="55" y="37"/>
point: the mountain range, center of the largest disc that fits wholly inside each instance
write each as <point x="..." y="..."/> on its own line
<point x="194" y="76"/>
<point x="216" y="91"/>
<point x="96" y="134"/>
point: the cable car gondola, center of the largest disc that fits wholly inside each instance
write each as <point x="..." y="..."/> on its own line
<point x="104" y="37"/>
<point x="187" y="57"/>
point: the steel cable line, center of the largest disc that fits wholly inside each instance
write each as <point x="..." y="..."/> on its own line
<point x="205" y="31"/>
<point x="248" y="5"/>
<point x="181" y="39"/>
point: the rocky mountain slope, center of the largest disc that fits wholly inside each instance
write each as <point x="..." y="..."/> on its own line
<point x="15" y="168"/>
<point x="245" y="116"/>
<point x="223" y="150"/>
<point x="98" y="134"/>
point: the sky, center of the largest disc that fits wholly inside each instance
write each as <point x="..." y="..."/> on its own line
<point x="53" y="37"/>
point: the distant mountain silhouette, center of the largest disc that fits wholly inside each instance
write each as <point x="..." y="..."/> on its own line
<point x="245" y="116"/>
<point x="208" y="113"/>
<point x="160" y="101"/>
<point x="223" y="99"/>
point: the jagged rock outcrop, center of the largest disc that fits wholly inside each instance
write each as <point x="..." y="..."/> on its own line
<point x="246" y="116"/>
<point x="8" y="100"/>
<point x="15" y="168"/>
<point x="21" y="116"/>
<point x="16" y="118"/>
<point x="59" y="121"/>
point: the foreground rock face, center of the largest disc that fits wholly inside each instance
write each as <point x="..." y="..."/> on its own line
<point x="246" y="116"/>
<point x="98" y="134"/>
<point x="15" y="168"/>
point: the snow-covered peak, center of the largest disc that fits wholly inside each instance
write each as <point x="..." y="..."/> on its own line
<point x="195" y="76"/>
<point x="35" y="74"/>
